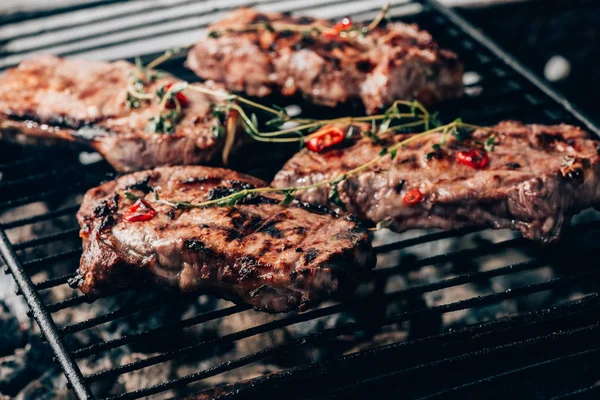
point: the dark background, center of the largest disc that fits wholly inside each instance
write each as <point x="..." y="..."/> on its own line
<point x="535" y="31"/>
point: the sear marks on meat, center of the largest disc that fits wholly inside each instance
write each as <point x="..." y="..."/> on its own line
<point x="276" y="258"/>
<point x="397" y="61"/>
<point x="536" y="179"/>
<point x="57" y="99"/>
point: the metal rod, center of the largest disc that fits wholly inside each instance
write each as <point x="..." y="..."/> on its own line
<point x="43" y="318"/>
<point x="513" y="63"/>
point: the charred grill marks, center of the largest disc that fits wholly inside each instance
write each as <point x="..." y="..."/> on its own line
<point x="527" y="184"/>
<point x="246" y="252"/>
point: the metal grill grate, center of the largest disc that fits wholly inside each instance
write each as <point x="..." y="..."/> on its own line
<point x="548" y="348"/>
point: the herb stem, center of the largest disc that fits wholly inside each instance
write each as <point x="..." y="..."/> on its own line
<point x="337" y="179"/>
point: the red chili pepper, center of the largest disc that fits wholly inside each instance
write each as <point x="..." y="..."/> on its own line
<point x="325" y="137"/>
<point x="342" y="25"/>
<point x="141" y="210"/>
<point x="183" y="101"/>
<point x="412" y="197"/>
<point x="475" y="158"/>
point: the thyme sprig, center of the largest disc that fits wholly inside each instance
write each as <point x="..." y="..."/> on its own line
<point x="333" y="183"/>
<point x="166" y="119"/>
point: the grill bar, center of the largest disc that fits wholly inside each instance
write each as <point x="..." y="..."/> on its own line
<point x="40" y="217"/>
<point x="388" y="298"/>
<point x="581" y="354"/>
<point x="333" y="332"/>
<point x="487" y="352"/>
<point x="510" y="61"/>
<point x="315" y="339"/>
<point x="588" y="305"/>
<point x="43" y="318"/>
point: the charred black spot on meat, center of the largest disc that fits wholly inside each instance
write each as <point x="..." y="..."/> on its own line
<point x="102" y="209"/>
<point x="244" y="222"/>
<point x="271" y="229"/>
<point x="299" y="250"/>
<point x="305" y="20"/>
<point x="196" y="246"/>
<point x="107" y="222"/>
<point x="364" y="66"/>
<point x="142" y="185"/>
<point x="246" y="267"/>
<point x="232" y="234"/>
<point x="574" y="175"/>
<point x="513" y="165"/>
<point x="219" y="192"/>
<point x="399" y="186"/>
<point x="546" y="140"/>
<point x="287" y="33"/>
<point x="259" y="18"/>
<point x="310" y="255"/>
<point x="317" y="208"/>
<point x="171" y="214"/>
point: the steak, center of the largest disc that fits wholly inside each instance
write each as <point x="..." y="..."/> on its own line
<point x="302" y="56"/>
<point x="536" y="179"/>
<point x="276" y="258"/>
<point x="57" y="99"/>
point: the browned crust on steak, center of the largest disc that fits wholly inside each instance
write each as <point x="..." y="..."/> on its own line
<point x="394" y="62"/>
<point x="52" y="99"/>
<point x="526" y="185"/>
<point x="271" y="256"/>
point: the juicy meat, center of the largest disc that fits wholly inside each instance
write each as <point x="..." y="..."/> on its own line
<point x="276" y="258"/>
<point x="397" y="61"/>
<point x="536" y="179"/>
<point x="57" y="99"/>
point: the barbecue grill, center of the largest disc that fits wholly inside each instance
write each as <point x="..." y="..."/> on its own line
<point x="547" y="348"/>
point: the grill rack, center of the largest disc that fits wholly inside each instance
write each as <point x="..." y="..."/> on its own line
<point x="543" y="338"/>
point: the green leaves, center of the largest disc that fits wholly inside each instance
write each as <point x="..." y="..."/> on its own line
<point x="281" y="117"/>
<point x="384" y="224"/>
<point x="217" y="129"/>
<point x="131" y="101"/>
<point x="183" y="205"/>
<point x="384" y="126"/>
<point x="233" y="199"/>
<point x="334" y="195"/>
<point x="289" y="196"/>
<point x="163" y="123"/>
<point x="131" y="196"/>
<point x="489" y="143"/>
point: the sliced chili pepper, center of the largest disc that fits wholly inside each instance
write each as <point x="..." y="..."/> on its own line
<point x="475" y="158"/>
<point x="181" y="98"/>
<point x="342" y="25"/>
<point x="325" y="137"/>
<point x="141" y="210"/>
<point x="412" y="197"/>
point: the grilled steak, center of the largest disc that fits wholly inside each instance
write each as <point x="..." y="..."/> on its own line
<point x="276" y="258"/>
<point x="537" y="177"/>
<point x="58" y="99"/>
<point x="397" y="61"/>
